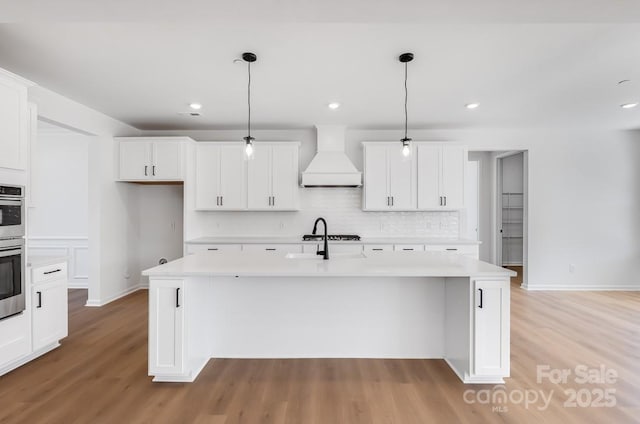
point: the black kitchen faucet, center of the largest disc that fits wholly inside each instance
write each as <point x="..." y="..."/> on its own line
<point x="325" y="252"/>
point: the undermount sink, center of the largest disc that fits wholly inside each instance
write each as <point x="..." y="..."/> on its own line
<point x="331" y="256"/>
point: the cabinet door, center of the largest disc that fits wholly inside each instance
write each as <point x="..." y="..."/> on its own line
<point x="429" y="196"/>
<point x="135" y="160"/>
<point x="454" y="159"/>
<point x="232" y="177"/>
<point x="167" y="160"/>
<point x="207" y="176"/>
<point x="284" y="174"/>
<point x="166" y="327"/>
<point x="491" y="328"/>
<point x="259" y="178"/>
<point x="13" y="125"/>
<point x="400" y="177"/>
<point x="50" y="316"/>
<point x="376" y="190"/>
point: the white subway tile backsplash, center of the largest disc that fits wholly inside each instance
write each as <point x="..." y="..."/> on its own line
<point x="341" y="207"/>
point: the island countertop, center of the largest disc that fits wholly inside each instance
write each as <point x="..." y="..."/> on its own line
<point x="374" y="264"/>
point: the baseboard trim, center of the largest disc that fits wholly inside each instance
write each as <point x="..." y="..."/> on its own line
<point x="28" y="358"/>
<point x="580" y="287"/>
<point x="96" y="303"/>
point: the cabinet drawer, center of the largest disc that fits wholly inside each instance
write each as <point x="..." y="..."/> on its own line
<point x="464" y="249"/>
<point x="409" y="247"/>
<point x="50" y="272"/>
<point x="196" y="248"/>
<point x="273" y="248"/>
<point x="378" y="248"/>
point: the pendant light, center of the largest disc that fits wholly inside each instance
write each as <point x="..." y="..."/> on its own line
<point x="248" y="150"/>
<point x="406" y="141"/>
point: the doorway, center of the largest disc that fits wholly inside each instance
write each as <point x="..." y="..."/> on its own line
<point x="511" y="211"/>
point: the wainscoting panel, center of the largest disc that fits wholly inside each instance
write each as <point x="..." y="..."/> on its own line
<point x="76" y="249"/>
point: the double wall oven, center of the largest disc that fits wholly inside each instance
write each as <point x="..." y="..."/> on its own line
<point x="12" y="257"/>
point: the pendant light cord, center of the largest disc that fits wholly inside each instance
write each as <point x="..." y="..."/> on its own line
<point x="406" y="94"/>
<point x="249" y="101"/>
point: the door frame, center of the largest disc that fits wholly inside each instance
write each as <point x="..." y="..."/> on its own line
<point x="497" y="216"/>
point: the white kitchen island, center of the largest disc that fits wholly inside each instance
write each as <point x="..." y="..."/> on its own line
<point x="383" y="305"/>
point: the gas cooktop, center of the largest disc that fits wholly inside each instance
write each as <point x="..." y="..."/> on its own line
<point x="332" y="237"/>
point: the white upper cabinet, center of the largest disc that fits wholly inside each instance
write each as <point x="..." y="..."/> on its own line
<point x="441" y="171"/>
<point x="389" y="178"/>
<point x="220" y="176"/>
<point x="273" y="177"/>
<point x="152" y="158"/>
<point x="14" y="121"/>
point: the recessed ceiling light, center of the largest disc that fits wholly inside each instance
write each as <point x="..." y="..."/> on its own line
<point x="628" y="105"/>
<point x="472" y="105"/>
<point x="195" y="106"/>
<point x="334" y="105"/>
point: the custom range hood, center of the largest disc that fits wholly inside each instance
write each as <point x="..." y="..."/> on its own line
<point x="331" y="167"/>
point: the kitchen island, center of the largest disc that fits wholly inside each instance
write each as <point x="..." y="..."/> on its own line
<point x="425" y="305"/>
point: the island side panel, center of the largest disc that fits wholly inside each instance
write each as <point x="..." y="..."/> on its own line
<point x="322" y="317"/>
<point x="458" y="324"/>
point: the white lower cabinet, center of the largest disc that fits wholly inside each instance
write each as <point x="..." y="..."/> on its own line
<point x="167" y="332"/>
<point x="226" y="248"/>
<point x="50" y="312"/>
<point x="15" y="339"/>
<point x="378" y="248"/>
<point x="273" y="248"/>
<point x="408" y="247"/>
<point x="471" y="250"/>
<point x="490" y="352"/>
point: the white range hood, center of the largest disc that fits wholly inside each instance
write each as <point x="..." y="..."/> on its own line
<point x="331" y="167"/>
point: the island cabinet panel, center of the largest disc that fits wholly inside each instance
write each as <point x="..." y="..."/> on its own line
<point x="491" y="328"/>
<point x="220" y="176"/>
<point x="151" y="159"/>
<point x="167" y="334"/>
<point x="440" y="176"/>
<point x="389" y="181"/>
<point x="273" y="177"/>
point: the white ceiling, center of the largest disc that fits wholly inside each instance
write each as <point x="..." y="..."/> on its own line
<point x="523" y="74"/>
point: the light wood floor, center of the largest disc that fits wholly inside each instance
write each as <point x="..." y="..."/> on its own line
<point x="99" y="375"/>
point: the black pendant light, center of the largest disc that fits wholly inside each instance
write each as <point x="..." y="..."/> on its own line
<point x="406" y="141"/>
<point x="249" y="58"/>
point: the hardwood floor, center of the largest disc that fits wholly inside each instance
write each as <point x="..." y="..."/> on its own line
<point x="99" y="374"/>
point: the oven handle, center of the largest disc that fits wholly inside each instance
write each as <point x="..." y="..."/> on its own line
<point x="10" y="202"/>
<point x="11" y="251"/>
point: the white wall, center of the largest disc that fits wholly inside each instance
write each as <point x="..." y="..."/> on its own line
<point x="113" y="208"/>
<point x="59" y="210"/>
<point x="512" y="166"/>
<point x="60" y="196"/>
<point x="160" y="229"/>
<point x="485" y="195"/>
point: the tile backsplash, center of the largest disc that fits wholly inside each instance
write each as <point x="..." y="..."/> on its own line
<point x="341" y="207"/>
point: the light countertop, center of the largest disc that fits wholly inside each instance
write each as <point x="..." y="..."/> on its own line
<point x="377" y="264"/>
<point x="298" y="240"/>
<point x="38" y="261"/>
